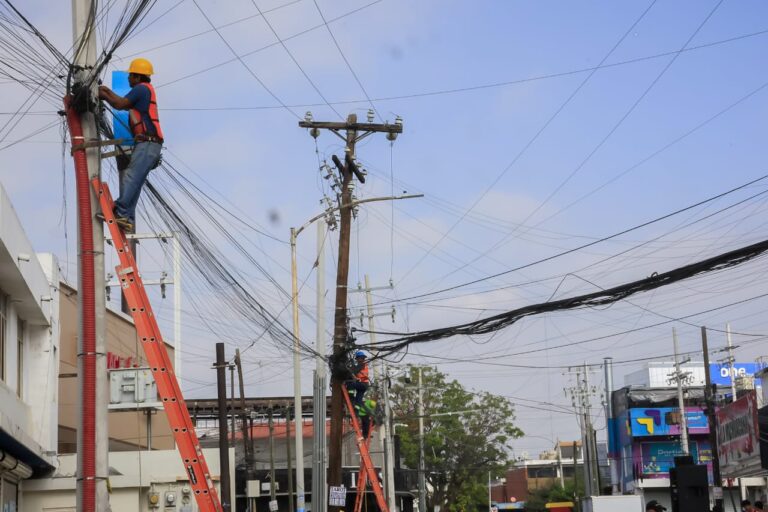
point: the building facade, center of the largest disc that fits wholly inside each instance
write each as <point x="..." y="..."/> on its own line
<point x="29" y="347"/>
<point x="645" y="429"/>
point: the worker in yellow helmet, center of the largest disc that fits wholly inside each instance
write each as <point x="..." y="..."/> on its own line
<point x="141" y="104"/>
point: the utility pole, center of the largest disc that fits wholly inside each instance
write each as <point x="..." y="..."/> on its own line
<point x="272" y="493"/>
<point x="318" y="411"/>
<point x="353" y="132"/>
<point x="221" y="387"/>
<point x="731" y="361"/>
<point x="92" y="454"/>
<point x="712" y="421"/>
<point x="232" y="401"/>
<point x="581" y="395"/>
<point x="297" y="378"/>
<point x="385" y="437"/>
<point x="680" y="377"/>
<point x="288" y="456"/>
<point x="612" y="462"/>
<point x="732" y="370"/>
<point x="389" y="451"/>
<point x="422" y="478"/>
<point x="243" y="414"/>
<point x="588" y="435"/>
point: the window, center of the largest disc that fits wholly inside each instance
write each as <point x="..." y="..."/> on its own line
<point x="20" y="357"/>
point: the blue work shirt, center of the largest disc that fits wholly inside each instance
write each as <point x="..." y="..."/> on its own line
<point x="139" y="96"/>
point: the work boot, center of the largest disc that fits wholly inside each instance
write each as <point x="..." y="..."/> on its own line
<point x="125" y="223"/>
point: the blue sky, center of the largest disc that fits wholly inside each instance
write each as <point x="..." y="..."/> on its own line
<point x="476" y="156"/>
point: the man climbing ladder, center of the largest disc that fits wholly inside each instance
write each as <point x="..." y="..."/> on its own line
<point x="141" y="103"/>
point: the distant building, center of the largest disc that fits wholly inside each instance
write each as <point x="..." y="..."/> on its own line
<point x="562" y="465"/>
<point x="645" y="430"/>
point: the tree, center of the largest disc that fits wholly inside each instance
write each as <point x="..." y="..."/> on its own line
<point x="539" y="498"/>
<point x="466" y="436"/>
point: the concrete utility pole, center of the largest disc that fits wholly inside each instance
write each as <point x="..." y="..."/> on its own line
<point x="731" y="361"/>
<point x="221" y="388"/>
<point x="84" y="38"/>
<point x="581" y="395"/>
<point x="422" y="476"/>
<point x="319" y="412"/>
<point x="680" y="378"/>
<point x="613" y="466"/>
<point x="711" y="421"/>
<point x="353" y="132"/>
<point x="243" y="414"/>
<point x="288" y="456"/>
<point x="272" y="491"/>
<point x="299" y="440"/>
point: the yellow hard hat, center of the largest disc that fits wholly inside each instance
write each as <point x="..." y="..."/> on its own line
<point x="141" y="67"/>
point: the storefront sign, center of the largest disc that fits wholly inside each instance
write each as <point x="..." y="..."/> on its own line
<point x="665" y="421"/>
<point x="737" y="436"/>
<point x="659" y="457"/>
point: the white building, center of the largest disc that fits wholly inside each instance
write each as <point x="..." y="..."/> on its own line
<point x="29" y="345"/>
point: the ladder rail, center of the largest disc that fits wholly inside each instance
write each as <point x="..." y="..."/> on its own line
<point x="154" y="348"/>
<point x="365" y="456"/>
<point x="362" y="481"/>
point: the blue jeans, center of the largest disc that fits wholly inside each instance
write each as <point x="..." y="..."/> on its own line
<point x="359" y="388"/>
<point x="145" y="157"/>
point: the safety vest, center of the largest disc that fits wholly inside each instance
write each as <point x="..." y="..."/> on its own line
<point x="138" y="128"/>
<point x="362" y="375"/>
<point x="367" y="409"/>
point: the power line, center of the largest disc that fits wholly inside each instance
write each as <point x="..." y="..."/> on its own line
<point x="240" y="59"/>
<point x="583" y="246"/>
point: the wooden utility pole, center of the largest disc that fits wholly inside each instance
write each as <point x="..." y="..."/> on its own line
<point x="243" y="413"/>
<point x="353" y="132"/>
<point x="221" y="385"/>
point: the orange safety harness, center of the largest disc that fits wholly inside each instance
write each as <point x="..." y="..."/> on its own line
<point x="138" y="126"/>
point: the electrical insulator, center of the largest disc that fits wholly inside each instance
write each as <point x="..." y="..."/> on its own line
<point x="370" y="115"/>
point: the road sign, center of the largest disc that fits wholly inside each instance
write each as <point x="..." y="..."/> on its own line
<point x="337" y="496"/>
<point x="273" y="505"/>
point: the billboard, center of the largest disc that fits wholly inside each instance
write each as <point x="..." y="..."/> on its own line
<point x="665" y="421"/>
<point x="738" y="437"/>
<point x="721" y="373"/>
<point x="653" y="459"/>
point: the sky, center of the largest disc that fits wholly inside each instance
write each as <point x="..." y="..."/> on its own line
<point x="531" y="128"/>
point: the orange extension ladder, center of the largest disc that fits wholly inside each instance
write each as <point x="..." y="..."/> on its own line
<point x="369" y="472"/>
<point x="362" y="479"/>
<point x="157" y="355"/>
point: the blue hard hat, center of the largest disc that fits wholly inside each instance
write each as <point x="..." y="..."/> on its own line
<point x="359" y="353"/>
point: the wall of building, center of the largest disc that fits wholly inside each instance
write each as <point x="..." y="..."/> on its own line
<point x="133" y="477"/>
<point x="29" y="346"/>
<point x="127" y="429"/>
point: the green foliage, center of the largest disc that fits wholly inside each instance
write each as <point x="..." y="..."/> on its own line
<point x="555" y="493"/>
<point x="460" y="448"/>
